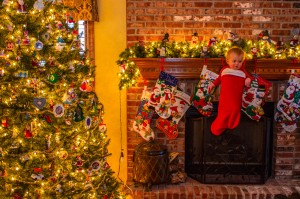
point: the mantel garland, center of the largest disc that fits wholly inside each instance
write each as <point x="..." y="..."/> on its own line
<point x="255" y="49"/>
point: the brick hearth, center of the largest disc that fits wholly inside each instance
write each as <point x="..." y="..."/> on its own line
<point x="192" y="189"/>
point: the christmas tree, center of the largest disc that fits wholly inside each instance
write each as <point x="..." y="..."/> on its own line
<point x="53" y="140"/>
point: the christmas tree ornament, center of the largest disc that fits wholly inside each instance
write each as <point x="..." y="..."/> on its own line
<point x="59" y="25"/>
<point x="79" y="162"/>
<point x="5" y="2"/>
<point x="22" y="74"/>
<point x="34" y="62"/>
<point x="42" y="63"/>
<point x="21" y="6"/>
<point x="14" y="148"/>
<point x="3" y="172"/>
<point x="68" y="121"/>
<point x="201" y="98"/>
<point x="106" y="165"/>
<point x="4" y="123"/>
<point x="10" y="26"/>
<point x="24" y="158"/>
<point x="47" y="118"/>
<point x="28" y="133"/>
<point x="70" y="96"/>
<point x="71" y="67"/>
<point x="46" y="36"/>
<point x="63" y="154"/>
<point x="2" y="54"/>
<point x="71" y="22"/>
<point x="102" y="128"/>
<point x="39" y="5"/>
<point x="39" y="103"/>
<point x="48" y="142"/>
<point x="78" y="114"/>
<point x="162" y="94"/>
<point x="58" y="188"/>
<point x="88" y="122"/>
<point x="287" y="109"/>
<point x="58" y="110"/>
<point x="37" y="175"/>
<point x="60" y="44"/>
<point x="38" y="45"/>
<point x="53" y="78"/>
<point x="26" y="40"/>
<point x="10" y="46"/>
<point x="96" y="165"/>
<point x="86" y="86"/>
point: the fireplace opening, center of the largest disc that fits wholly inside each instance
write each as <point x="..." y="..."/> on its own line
<point x="239" y="156"/>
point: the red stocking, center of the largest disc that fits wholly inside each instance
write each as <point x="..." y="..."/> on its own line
<point x="229" y="111"/>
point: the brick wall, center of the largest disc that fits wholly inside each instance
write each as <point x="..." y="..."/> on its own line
<point x="150" y="20"/>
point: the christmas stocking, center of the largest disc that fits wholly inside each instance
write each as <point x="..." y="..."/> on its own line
<point x="162" y="94"/>
<point x="142" y="120"/>
<point x="201" y="98"/>
<point x="230" y="102"/>
<point x="179" y="106"/>
<point x="287" y="109"/>
<point x="254" y="97"/>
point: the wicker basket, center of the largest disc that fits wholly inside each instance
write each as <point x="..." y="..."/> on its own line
<point x="150" y="163"/>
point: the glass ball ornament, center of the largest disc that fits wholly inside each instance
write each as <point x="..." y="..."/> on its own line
<point x="38" y="45"/>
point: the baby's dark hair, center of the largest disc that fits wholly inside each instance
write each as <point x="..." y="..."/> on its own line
<point x="236" y="50"/>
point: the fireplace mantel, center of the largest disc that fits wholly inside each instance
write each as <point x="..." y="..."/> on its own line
<point x="271" y="69"/>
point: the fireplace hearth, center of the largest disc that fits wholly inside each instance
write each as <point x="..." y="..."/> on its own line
<point x="239" y="156"/>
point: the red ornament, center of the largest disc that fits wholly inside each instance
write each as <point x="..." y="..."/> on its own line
<point x="106" y="165"/>
<point x="5" y="123"/>
<point x="17" y="196"/>
<point x="38" y="170"/>
<point x="105" y="197"/>
<point x="28" y="133"/>
<point x="83" y="86"/>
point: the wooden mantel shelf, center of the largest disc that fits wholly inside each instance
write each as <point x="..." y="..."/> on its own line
<point x="187" y="68"/>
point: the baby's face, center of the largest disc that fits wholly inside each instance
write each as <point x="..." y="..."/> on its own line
<point x="235" y="61"/>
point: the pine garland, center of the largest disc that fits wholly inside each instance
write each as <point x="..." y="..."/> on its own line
<point x="129" y="72"/>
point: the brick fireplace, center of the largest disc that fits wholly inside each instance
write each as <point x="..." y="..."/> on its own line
<point x="149" y="20"/>
<point x="286" y="146"/>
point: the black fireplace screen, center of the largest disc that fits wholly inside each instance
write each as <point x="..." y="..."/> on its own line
<point x="239" y="156"/>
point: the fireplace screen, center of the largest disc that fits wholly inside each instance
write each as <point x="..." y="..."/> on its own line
<point x="239" y="156"/>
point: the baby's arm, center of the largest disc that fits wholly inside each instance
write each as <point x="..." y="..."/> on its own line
<point x="247" y="82"/>
<point x="213" y="84"/>
<point x="210" y="87"/>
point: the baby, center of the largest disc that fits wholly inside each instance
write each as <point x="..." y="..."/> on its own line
<point x="232" y="78"/>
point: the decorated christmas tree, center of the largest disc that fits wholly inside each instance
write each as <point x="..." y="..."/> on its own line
<point x="53" y="140"/>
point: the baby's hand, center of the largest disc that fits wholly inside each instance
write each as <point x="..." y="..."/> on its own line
<point x="210" y="87"/>
<point x="247" y="82"/>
